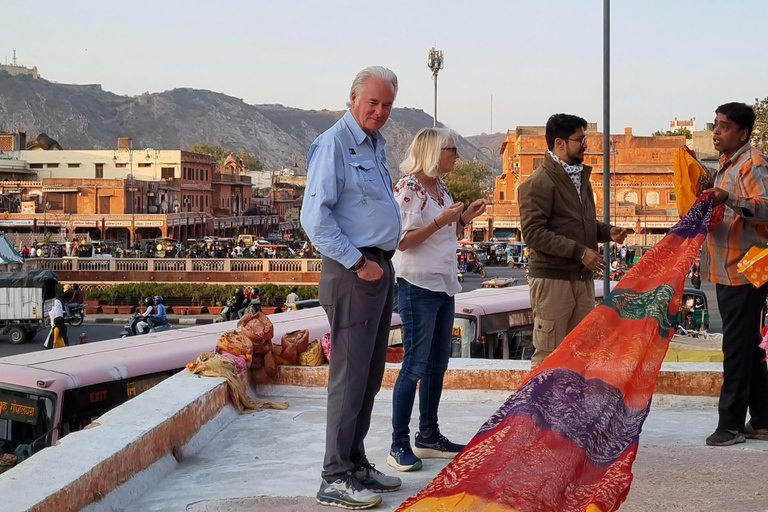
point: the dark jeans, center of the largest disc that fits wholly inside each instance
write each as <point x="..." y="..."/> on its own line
<point x="427" y="319"/>
<point x="745" y="377"/>
<point x="360" y="315"/>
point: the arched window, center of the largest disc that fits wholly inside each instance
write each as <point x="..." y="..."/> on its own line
<point x="652" y="199"/>
<point x="630" y="197"/>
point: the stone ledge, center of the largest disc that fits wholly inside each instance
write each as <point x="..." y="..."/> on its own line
<point x="687" y="379"/>
<point x="91" y="463"/>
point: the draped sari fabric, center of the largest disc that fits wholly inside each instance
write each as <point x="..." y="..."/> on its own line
<point x="566" y="440"/>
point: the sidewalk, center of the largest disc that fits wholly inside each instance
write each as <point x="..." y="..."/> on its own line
<point x="173" y="319"/>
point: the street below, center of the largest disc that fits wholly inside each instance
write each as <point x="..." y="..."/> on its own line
<point x="100" y="332"/>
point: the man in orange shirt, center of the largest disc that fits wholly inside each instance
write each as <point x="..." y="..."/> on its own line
<point x="741" y="184"/>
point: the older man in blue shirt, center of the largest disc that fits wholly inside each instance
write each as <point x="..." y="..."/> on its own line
<point x="351" y="216"/>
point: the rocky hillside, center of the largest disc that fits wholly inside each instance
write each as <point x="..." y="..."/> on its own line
<point x="88" y="117"/>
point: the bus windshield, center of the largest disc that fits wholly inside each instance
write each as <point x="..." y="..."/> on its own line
<point x="26" y="422"/>
<point x="464" y="334"/>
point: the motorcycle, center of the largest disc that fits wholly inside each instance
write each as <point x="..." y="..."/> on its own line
<point x="75" y="315"/>
<point x="131" y="326"/>
<point x="228" y="312"/>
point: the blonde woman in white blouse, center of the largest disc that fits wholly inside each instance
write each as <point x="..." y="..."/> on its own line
<point x="425" y="269"/>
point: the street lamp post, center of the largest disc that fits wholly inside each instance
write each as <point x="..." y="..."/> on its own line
<point x="615" y="153"/>
<point x="435" y="63"/>
<point x="46" y="205"/>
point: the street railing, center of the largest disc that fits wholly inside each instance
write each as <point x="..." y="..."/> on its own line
<point x="224" y="265"/>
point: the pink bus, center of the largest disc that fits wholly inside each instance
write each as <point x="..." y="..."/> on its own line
<point x="46" y="395"/>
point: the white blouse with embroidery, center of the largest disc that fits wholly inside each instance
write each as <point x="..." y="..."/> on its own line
<point x="431" y="264"/>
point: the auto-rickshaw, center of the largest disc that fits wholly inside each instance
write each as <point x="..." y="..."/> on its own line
<point x="696" y="301"/>
<point x="635" y="252"/>
<point x="516" y="254"/>
<point x="159" y="247"/>
<point x="471" y="260"/>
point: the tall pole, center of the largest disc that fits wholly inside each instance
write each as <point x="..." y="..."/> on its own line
<point x="435" y="63"/>
<point x="606" y="138"/>
<point x="133" y="194"/>
<point x="434" y="117"/>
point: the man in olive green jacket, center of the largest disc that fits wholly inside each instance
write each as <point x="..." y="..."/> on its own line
<point x="559" y="224"/>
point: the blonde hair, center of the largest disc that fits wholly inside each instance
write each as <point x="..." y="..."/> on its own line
<point x="424" y="151"/>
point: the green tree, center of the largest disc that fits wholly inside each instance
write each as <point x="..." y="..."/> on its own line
<point x="680" y="131"/>
<point x="760" y="133"/>
<point x="217" y="152"/>
<point x="469" y="181"/>
<point x="251" y="162"/>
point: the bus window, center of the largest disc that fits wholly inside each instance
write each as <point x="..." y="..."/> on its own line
<point x="464" y="336"/>
<point x="26" y="422"/>
<point x="396" y="336"/>
<point x="83" y="405"/>
<point x="521" y="342"/>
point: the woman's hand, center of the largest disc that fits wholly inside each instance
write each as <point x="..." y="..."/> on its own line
<point x="450" y="214"/>
<point x="475" y="209"/>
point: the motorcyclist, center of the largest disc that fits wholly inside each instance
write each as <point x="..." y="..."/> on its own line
<point x="255" y="300"/>
<point x="148" y="319"/>
<point x="160" y="317"/>
<point x="77" y="298"/>
<point x="241" y="303"/>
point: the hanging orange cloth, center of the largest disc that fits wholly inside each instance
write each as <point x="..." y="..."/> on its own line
<point x="690" y="179"/>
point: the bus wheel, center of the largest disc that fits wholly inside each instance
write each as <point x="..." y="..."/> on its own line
<point x="16" y="335"/>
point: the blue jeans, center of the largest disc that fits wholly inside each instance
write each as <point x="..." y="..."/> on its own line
<point x="427" y="318"/>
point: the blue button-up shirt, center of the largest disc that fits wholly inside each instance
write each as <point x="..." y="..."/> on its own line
<point x="348" y="202"/>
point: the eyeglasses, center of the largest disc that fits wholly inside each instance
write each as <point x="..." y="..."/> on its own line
<point x="581" y="140"/>
<point x="454" y="150"/>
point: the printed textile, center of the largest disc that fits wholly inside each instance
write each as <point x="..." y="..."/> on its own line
<point x="566" y="440"/>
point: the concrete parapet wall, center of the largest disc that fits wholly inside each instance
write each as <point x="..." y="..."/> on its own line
<point x="686" y="379"/>
<point x="132" y="446"/>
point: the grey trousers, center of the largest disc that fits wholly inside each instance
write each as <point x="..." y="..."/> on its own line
<point x="360" y="314"/>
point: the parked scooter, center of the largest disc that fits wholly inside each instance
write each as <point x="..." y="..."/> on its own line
<point x="74" y="315"/>
<point x="131" y="327"/>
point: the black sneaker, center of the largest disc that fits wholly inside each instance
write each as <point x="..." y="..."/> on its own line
<point x="436" y="447"/>
<point x="725" y="438"/>
<point x="750" y="432"/>
<point x="346" y="493"/>
<point x="376" y="481"/>
<point x="401" y="458"/>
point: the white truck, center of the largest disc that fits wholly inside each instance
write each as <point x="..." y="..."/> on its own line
<point x="26" y="299"/>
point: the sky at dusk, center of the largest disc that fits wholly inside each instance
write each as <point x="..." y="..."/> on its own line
<point x="669" y="58"/>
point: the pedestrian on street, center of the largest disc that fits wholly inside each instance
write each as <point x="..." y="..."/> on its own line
<point x="351" y="216"/>
<point x="741" y="184"/>
<point x="425" y="267"/>
<point x="559" y="224"/>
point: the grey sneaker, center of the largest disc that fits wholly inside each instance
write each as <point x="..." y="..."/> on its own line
<point x="346" y="493"/>
<point x="725" y="438"/>
<point x="761" y="434"/>
<point x="376" y="481"/>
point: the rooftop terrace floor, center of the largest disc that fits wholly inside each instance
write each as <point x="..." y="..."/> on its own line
<point x="271" y="460"/>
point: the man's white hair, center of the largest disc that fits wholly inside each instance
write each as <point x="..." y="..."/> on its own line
<point x="372" y="72"/>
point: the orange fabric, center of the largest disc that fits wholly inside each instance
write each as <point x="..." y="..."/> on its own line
<point x="687" y="179"/>
<point x="566" y="440"/>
